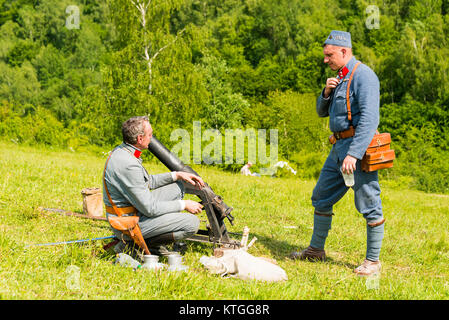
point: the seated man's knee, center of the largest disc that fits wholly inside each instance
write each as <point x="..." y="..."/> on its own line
<point x="193" y="224"/>
<point x="190" y="226"/>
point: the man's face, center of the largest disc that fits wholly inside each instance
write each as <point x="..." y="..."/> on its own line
<point x="144" y="140"/>
<point x="335" y="57"/>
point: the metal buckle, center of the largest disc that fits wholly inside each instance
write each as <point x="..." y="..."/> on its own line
<point x="337" y="135"/>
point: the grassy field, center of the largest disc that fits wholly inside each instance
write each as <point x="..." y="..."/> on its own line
<point x="278" y="211"/>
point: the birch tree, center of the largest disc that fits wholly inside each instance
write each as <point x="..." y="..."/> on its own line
<point x="146" y="9"/>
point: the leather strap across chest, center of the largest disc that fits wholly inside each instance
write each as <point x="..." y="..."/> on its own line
<point x="114" y="209"/>
<point x="351" y="131"/>
<point x="348" y="102"/>
<point x="128" y="225"/>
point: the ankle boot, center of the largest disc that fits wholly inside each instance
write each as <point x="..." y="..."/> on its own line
<point x="309" y="253"/>
<point x="368" y="268"/>
<point x="156" y="244"/>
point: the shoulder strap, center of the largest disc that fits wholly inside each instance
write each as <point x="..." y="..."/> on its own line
<point x="348" y="103"/>
<point x="114" y="207"/>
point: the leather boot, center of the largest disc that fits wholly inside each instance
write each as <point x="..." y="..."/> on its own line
<point x="180" y="247"/>
<point x="309" y="253"/>
<point x="156" y="244"/>
<point x="130" y="248"/>
<point x="368" y="268"/>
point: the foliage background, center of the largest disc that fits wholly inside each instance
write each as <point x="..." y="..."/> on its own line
<point x="228" y="64"/>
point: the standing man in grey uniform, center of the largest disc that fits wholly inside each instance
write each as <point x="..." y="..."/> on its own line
<point x="348" y="150"/>
<point x="160" y="218"/>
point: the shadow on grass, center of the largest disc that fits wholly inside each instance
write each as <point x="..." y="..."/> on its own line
<point x="278" y="249"/>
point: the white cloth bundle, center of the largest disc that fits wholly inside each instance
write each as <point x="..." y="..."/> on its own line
<point x="239" y="263"/>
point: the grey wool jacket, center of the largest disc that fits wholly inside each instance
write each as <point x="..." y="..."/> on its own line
<point x="129" y="184"/>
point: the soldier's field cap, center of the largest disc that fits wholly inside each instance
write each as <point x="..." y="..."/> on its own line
<point x="339" y="38"/>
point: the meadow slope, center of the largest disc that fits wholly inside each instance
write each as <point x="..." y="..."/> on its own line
<point x="278" y="211"/>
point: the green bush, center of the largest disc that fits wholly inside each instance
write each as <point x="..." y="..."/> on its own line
<point x="308" y="164"/>
<point x="36" y="127"/>
<point x="419" y="158"/>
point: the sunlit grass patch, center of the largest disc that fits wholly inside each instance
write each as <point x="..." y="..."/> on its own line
<point x="278" y="212"/>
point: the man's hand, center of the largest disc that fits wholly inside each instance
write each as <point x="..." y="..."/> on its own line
<point x="331" y="83"/>
<point x="349" y="164"/>
<point x="193" y="206"/>
<point x="190" y="178"/>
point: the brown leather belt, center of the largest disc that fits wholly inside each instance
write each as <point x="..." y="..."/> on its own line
<point x="342" y="135"/>
<point x="123" y="210"/>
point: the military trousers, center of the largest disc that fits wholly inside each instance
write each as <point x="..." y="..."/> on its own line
<point x="181" y="224"/>
<point x="331" y="187"/>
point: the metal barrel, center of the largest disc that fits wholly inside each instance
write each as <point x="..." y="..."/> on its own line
<point x="173" y="163"/>
<point x="170" y="160"/>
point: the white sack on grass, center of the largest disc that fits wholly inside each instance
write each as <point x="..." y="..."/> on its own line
<point x="241" y="264"/>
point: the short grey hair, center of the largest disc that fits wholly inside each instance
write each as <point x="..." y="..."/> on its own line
<point x="132" y="128"/>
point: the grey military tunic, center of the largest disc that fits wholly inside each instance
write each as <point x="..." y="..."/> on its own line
<point x="157" y="198"/>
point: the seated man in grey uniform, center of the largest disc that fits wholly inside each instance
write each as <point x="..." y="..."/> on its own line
<point x="158" y="199"/>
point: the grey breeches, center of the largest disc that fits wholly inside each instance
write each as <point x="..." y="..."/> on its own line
<point x="181" y="224"/>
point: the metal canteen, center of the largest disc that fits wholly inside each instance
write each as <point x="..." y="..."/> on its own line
<point x="175" y="263"/>
<point x="151" y="262"/>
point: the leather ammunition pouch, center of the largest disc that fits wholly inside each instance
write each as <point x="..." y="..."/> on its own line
<point x="122" y="223"/>
<point x="378" y="154"/>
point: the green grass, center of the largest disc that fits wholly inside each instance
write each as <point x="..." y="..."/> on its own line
<point x="415" y="254"/>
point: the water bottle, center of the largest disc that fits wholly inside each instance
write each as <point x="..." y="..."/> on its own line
<point x="348" y="177"/>
<point x="245" y="235"/>
<point x="126" y="261"/>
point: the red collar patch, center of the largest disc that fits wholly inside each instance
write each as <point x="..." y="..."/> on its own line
<point x="137" y="154"/>
<point x="342" y="73"/>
